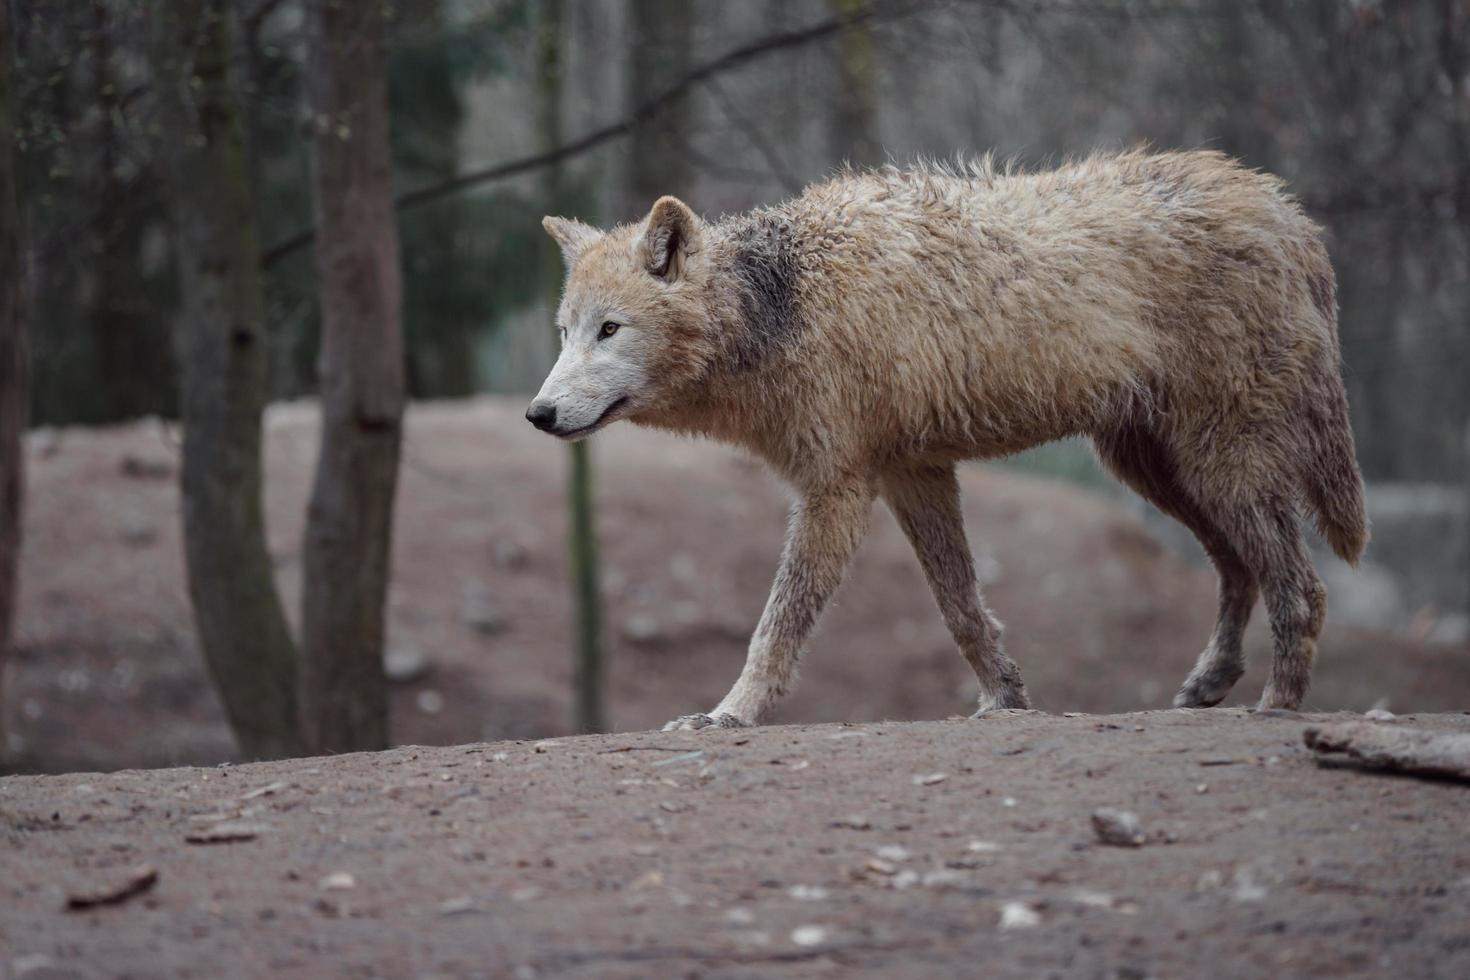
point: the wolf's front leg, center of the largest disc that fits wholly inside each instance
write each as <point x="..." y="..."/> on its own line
<point x="825" y="530"/>
<point x="926" y="501"/>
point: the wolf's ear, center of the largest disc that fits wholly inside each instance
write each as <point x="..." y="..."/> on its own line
<point x="671" y="235"/>
<point x="571" y="235"/>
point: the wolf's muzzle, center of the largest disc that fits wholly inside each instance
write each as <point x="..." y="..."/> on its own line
<point x="542" y="416"/>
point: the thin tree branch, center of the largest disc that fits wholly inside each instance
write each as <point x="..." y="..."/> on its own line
<point x="641" y="114"/>
<point x="757" y="139"/>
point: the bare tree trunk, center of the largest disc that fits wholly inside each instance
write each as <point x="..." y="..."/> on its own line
<point x="221" y="340"/>
<point x="660" y="53"/>
<point x="590" y="714"/>
<point x="350" y="519"/>
<point x="853" y="135"/>
<point x="13" y="388"/>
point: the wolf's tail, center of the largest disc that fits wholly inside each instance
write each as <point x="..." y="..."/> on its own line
<point x="1331" y="482"/>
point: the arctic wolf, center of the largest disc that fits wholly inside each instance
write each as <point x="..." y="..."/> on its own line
<point x="866" y="336"/>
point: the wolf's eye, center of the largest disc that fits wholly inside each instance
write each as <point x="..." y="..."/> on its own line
<point x="608" y="329"/>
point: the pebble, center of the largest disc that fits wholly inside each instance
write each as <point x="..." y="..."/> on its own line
<point x="809" y="935"/>
<point x="642" y="628"/>
<point x="479" y="611"/>
<point x="1119" y="828"/>
<point x="1247" y="889"/>
<point x="893" y="852"/>
<point x="906" y="878"/>
<point x="944" y="878"/>
<point x="142" y="468"/>
<point x="510" y="555"/>
<point x="881" y="866"/>
<point x="1095" y="900"/>
<point x="404" y="665"/>
<point x="1018" y="915"/>
<point x="458" y="906"/>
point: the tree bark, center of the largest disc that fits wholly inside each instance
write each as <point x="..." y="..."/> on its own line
<point x="586" y="570"/>
<point x="660" y="53"/>
<point x="350" y="517"/>
<point x="221" y="342"/>
<point x="13" y="387"/>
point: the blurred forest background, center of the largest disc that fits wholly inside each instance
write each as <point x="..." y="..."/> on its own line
<point x="170" y="160"/>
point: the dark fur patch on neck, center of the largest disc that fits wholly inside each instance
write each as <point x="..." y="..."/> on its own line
<point x="764" y="266"/>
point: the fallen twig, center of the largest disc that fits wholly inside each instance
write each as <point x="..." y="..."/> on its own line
<point x="644" y="748"/>
<point x="229" y="832"/>
<point x="137" y="881"/>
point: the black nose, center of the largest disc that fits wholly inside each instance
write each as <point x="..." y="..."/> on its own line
<point x="542" y="416"/>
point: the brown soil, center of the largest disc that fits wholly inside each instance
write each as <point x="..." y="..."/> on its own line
<point x="932" y="849"/>
<point x="1101" y="616"/>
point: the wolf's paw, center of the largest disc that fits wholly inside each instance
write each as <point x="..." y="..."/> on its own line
<point x="693" y="723"/>
<point x="1005" y="712"/>
<point x="1277" y="698"/>
<point x="1193" y="696"/>
<point x="1208" y="689"/>
<point x="1011" y="699"/>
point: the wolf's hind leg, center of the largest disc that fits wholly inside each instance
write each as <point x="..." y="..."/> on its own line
<point x="926" y="502"/>
<point x="1141" y="460"/>
<point x="825" y="530"/>
<point x="1269" y="536"/>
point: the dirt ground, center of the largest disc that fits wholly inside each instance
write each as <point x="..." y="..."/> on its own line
<point x="933" y="849"/>
<point x="1100" y="615"/>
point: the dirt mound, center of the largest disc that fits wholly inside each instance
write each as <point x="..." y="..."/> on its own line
<point x="888" y="850"/>
<point x="1100" y="616"/>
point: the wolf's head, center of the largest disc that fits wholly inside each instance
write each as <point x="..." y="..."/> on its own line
<point x="633" y="319"/>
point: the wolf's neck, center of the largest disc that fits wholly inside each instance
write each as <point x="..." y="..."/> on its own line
<point x="755" y="276"/>
<point x="755" y="322"/>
